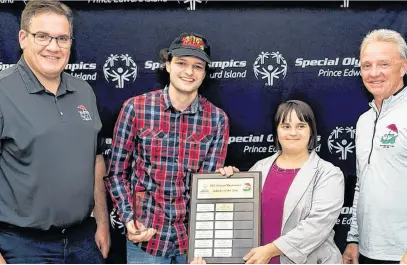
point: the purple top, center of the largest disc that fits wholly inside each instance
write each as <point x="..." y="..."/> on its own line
<point x="275" y="189"/>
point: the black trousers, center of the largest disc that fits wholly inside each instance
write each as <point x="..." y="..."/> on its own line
<point x="366" y="260"/>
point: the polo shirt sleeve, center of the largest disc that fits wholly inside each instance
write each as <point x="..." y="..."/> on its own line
<point x="100" y="143"/>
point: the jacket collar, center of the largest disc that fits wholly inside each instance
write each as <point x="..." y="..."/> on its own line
<point x="391" y="101"/>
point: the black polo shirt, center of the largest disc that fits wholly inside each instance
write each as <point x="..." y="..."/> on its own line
<point x="48" y="146"/>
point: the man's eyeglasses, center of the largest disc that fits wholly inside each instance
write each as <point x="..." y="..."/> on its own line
<point x="43" y="39"/>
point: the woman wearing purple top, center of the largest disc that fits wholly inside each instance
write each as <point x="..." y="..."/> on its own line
<point x="302" y="194"/>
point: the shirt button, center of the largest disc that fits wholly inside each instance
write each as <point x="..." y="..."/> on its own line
<point x="61" y="113"/>
<point x="176" y="160"/>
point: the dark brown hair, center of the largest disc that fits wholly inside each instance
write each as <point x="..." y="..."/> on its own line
<point x="34" y="8"/>
<point x="163" y="76"/>
<point x="304" y="113"/>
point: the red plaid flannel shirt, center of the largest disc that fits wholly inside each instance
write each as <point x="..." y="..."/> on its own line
<point x="154" y="151"/>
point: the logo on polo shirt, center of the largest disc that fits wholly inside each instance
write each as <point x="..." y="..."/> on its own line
<point x="120" y="68"/>
<point x="85" y="115"/>
<point x="270" y="66"/>
<point x="389" y="139"/>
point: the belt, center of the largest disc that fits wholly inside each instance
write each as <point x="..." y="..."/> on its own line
<point x="53" y="230"/>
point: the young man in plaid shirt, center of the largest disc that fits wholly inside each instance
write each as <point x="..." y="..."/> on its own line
<point x="160" y="139"/>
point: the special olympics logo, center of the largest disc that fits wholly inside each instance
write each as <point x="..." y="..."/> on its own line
<point x="192" y="3"/>
<point x="115" y="222"/>
<point x="342" y="141"/>
<point x="120" y="68"/>
<point x="270" y="65"/>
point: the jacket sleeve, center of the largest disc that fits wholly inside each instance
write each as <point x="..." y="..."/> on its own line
<point x="353" y="234"/>
<point x="310" y="233"/>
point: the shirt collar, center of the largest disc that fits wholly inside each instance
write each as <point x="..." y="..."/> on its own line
<point x="197" y="104"/>
<point x="390" y="101"/>
<point x="33" y="85"/>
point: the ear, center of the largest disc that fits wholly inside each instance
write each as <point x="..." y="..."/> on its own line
<point x="168" y="66"/>
<point x="22" y="38"/>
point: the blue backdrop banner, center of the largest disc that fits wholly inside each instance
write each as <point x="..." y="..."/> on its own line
<point x="262" y="55"/>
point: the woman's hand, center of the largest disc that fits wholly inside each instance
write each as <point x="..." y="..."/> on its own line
<point x="262" y="255"/>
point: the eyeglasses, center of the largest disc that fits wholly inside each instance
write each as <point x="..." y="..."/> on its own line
<point x="43" y="39"/>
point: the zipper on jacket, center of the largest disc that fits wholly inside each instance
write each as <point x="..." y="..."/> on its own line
<point x="374" y="132"/>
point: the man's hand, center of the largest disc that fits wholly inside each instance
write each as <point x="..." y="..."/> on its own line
<point x="2" y="260"/>
<point x="140" y="234"/>
<point x="351" y="254"/>
<point x="404" y="259"/>
<point x="227" y="171"/>
<point x="260" y="255"/>
<point x="102" y="238"/>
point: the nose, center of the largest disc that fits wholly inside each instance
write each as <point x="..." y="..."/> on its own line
<point x="293" y="131"/>
<point x="375" y="71"/>
<point x="189" y="70"/>
<point x="53" y="45"/>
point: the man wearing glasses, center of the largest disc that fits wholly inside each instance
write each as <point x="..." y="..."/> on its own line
<point x="51" y="176"/>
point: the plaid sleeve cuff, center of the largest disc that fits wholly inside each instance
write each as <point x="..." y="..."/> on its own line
<point x="127" y="217"/>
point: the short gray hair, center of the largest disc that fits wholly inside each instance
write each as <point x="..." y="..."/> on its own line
<point x="386" y="35"/>
<point x="34" y="8"/>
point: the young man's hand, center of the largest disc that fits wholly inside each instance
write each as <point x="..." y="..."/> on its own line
<point x="227" y="171"/>
<point x="139" y="234"/>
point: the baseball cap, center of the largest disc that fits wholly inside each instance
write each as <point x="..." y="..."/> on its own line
<point x="191" y="44"/>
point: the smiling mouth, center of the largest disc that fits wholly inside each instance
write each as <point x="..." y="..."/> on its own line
<point x="190" y="80"/>
<point x="51" y="57"/>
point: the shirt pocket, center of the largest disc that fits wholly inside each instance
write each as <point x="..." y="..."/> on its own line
<point x="153" y="146"/>
<point x="198" y="145"/>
